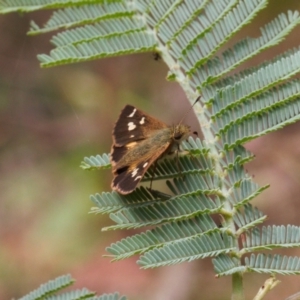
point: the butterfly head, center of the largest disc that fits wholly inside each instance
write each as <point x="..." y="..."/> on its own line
<point x="180" y="133"/>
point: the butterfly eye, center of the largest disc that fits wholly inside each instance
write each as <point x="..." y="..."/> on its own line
<point x="177" y="136"/>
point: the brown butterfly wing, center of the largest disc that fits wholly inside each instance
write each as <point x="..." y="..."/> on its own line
<point x="138" y="140"/>
<point x="134" y="125"/>
<point x="127" y="177"/>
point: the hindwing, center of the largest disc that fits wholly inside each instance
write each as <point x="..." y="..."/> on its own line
<point x="127" y="177"/>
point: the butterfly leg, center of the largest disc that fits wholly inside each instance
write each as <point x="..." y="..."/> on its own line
<point x="177" y="162"/>
<point x="152" y="175"/>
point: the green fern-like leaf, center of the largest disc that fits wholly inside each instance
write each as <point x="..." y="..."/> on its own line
<point x="271" y="34"/>
<point x="76" y="294"/>
<point x="187" y="250"/>
<point x="47" y="289"/>
<point x="158" y="212"/>
<point x="273" y="264"/>
<point x="272" y="237"/>
<point x="76" y="15"/>
<point x="225" y="265"/>
<point x="248" y="218"/>
<point x="102" y="30"/>
<point x="96" y="162"/>
<point x="114" y="296"/>
<point x="163" y="235"/>
<point x="7" y="6"/>
<point x="237" y="18"/>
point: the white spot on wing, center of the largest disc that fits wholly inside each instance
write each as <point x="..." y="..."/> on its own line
<point x="131" y="126"/>
<point x="132" y="136"/>
<point x="132" y="114"/>
<point x="134" y="172"/>
<point x="142" y="120"/>
<point x="138" y="177"/>
<point x="145" y="165"/>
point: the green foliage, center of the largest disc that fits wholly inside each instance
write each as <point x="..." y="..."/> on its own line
<point x="96" y="162"/>
<point x="235" y="107"/>
<point x="48" y="291"/>
<point x="49" y="288"/>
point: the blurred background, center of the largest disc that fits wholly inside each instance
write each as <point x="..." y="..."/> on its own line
<point x="51" y="118"/>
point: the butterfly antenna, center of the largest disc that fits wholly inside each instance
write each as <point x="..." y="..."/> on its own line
<point x="189" y="109"/>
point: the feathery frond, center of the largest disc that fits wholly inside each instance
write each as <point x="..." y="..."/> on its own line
<point x="271" y="237"/>
<point x="225" y="265"/>
<point x="248" y="218"/>
<point x="271" y="34"/>
<point x="96" y="162"/>
<point x="83" y="14"/>
<point x="232" y="22"/>
<point x="162" y="235"/>
<point x="47" y="289"/>
<point x="75" y="294"/>
<point x="273" y="264"/>
<point x="203" y="246"/>
<point x="158" y="212"/>
<point x="8" y="6"/>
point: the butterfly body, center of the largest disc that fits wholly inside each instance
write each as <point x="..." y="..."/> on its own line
<point x="138" y="141"/>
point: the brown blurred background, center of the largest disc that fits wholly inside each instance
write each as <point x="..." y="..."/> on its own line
<point x="51" y="118"/>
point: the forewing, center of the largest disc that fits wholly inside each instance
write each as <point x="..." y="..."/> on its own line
<point x="134" y="125"/>
<point x="127" y="178"/>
